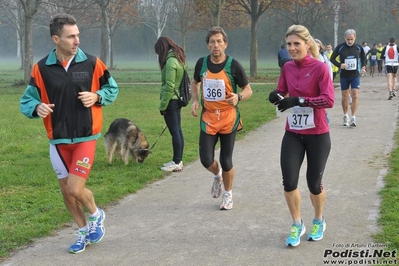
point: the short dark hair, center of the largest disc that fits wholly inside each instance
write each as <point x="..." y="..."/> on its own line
<point x="58" y="21"/>
<point x="215" y="30"/>
<point x="282" y="46"/>
<point x="392" y="40"/>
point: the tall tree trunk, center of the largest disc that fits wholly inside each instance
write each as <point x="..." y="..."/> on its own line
<point x="111" y="52"/>
<point x="253" y="63"/>
<point x="216" y="17"/>
<point x="28" y="44"/>
<point x="336" y="17"/>
<point x="104" y="38"/>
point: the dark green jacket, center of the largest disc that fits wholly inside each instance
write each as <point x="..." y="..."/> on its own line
<point x="172" y="74"/>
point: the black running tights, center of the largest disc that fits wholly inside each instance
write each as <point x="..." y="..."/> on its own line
<point x="293" y="149"/>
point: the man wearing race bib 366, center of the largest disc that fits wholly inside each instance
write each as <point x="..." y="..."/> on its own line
<point x="214" y="87"/>
<point x="352" y="64"/>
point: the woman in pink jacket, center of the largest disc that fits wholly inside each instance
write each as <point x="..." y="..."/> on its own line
<point x="310" y="91"/>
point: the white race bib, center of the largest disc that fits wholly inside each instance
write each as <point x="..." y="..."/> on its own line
<point x="351" y="64"/>
<point x="301" y="118"/>
<point x="214" y="90"/>
<point x="373" y="57"/>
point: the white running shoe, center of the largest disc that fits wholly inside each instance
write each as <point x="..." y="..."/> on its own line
<point x="216" y="190"/>
<point x="353" y="122"/>
<point x="168" y="163"/>
<point x="346" y="121"/>
<point x="227" y="201"/>
<point x="173" y="167"/>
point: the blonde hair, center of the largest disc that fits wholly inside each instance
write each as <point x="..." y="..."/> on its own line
<point x="322" y="47"/>
<point x="303" y="33"/>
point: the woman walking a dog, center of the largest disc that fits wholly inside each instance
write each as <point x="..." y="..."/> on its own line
<point x="172" y="59"/>
<point x="310" y="88"/>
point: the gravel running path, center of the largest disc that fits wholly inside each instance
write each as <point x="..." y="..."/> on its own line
<point x="176" y="222"/>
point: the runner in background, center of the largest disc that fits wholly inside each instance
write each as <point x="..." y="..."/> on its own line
<point x="366" y="49"/>
<point x="390" y="55"/>
<point x="352" y="64"/>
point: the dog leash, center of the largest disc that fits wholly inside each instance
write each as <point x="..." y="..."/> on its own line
<point x="163" y="130"/>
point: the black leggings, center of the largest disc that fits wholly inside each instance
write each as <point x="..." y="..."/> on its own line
<point x="207" y="145"/>
<point x="293" y="149"/>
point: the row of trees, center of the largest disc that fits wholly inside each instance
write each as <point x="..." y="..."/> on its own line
<point x="187" y="16"/>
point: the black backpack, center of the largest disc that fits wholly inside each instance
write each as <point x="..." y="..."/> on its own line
<point x="185" y="90"/>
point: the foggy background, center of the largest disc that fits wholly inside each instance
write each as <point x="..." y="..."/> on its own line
<point x="374" y="21"/>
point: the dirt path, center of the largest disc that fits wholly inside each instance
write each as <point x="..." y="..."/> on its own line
<point x="176" y="222"/>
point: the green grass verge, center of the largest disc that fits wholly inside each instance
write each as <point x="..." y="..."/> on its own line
<point x="389" y="214"/>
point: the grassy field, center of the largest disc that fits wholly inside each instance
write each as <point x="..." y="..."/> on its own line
<point x="31" y="205"/>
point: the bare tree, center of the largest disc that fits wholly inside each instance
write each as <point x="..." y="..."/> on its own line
<point x="82" y="10"/>
<point x="185" y="18"/>
<point x="13" y="16"/>
<point x="120" y="12"/>
<point x="29" y="7"/>
<point x="155" y="14"/>
<point x="254" y="8"/>
<point x="103" y="5"/>
<point x="306" y="12"/>
<point x="215" y="6"/>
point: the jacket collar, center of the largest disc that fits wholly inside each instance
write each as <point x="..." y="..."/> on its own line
<point x="52" y="58"/>
<point x="305" y="61"/>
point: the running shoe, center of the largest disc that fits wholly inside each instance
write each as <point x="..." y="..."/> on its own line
<point x="294" y="238"/>
<point x="173" y="167"/>
<point x="390" y="96"/>
<point x="318" y="229"/>
<point x="346" y="121"/>
<point x="227" y="201"/>
<point x="216" y="190"/>
<point x="168" y="163"/>
<point x="353" y="122"/>
<point x="81" y="243"/>
<point x="96" y="227"/>
<point x="394" y="93"/>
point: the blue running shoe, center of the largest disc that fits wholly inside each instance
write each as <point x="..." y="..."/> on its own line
<point x="294" y="238"/>
<point x="81" y="243"/>
<point x="318" y="228"/>
<point x="96" y="227"/>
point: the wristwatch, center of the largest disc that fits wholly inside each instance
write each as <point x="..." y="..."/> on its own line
<point x="239" y="97"/>
<point x="301" y="101"/>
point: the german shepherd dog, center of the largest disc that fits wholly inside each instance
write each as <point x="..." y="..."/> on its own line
<point x="124" y="138"/>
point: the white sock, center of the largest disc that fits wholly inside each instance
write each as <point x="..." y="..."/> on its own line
<point x="298" y="222"/>
<point x="219" y="175"/>
<point x="230" y="192"/>
<point x="83" y="229"/>
<point x="346" y="115"/>
<point x="96" y="214"/>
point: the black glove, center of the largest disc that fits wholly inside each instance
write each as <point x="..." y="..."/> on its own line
<point x="274" y="96"/>
<point x="288" y="102"/>
<point x="163" y="112"/>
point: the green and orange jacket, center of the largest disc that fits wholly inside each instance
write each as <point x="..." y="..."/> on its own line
<point x="50" y="83"/>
